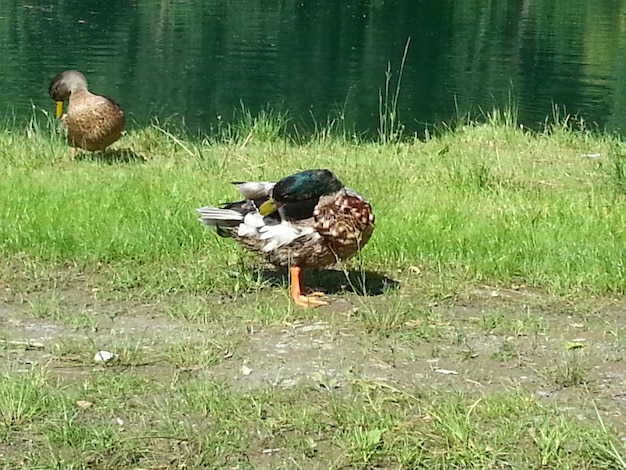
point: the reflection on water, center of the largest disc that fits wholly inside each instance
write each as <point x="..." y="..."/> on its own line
<point x="198" y="60"/>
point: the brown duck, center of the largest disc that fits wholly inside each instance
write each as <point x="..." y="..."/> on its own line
<point x="93" y="122"/>
<point x="306" y="220"/>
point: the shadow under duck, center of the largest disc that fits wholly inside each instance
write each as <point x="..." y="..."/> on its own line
<point x="306" y="220"/>
<point x="93" y="122"/>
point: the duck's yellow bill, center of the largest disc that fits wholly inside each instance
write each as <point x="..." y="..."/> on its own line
<point x="59" y="109"/>
<point x="267" y="207"/>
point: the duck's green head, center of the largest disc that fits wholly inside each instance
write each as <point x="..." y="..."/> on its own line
<point x="304" y="186"/>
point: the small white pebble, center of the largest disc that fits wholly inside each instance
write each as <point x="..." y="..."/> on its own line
<point x="103" y="356"/>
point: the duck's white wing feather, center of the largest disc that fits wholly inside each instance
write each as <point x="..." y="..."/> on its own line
<point x="250" y="225"/>
<point x="253" y="225"/>
<point x="281" y="234"/>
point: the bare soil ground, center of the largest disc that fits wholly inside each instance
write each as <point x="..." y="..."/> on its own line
<point x="485" y="340"/>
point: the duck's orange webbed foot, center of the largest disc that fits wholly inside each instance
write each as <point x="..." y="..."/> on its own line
<point x="306" y="301"/>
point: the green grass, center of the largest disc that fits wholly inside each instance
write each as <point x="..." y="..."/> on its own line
<point x="103" y="424"/>
<point x="445" y="345"/>
<point x="486" y="202"/>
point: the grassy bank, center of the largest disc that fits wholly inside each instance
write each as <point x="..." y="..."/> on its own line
<point x="490" y="334"/>
<point x="489" y="203"/>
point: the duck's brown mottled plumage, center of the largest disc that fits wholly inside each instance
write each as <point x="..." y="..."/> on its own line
<point x="93" y="122"/>
<point x="321" y="223"/>
<point x="341" y="224"/>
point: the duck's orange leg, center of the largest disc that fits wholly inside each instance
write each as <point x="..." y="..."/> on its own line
<point x="301" y="300"/>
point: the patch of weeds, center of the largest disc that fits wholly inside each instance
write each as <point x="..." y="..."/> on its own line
<point x="506" y="352"/>
<point x="551" y="440"/>
<point x="24" y="398"/>
<point x="528" y="324"/>
<point x="226" y="411"/>
<point x="133" y="354"/>
<point x="189" y="355"/>
<point x="307" y="446"/>
<point x="513" y="323"/>
<point x="196" y="443"/>
<point x="459" y="337"/>
<point x="53" y="306"/>
<point x="467" y="352"/>
<point x="506" y="406"/>
<point x="80" y="351"/>
<point x="269" y="312"/>
<point x="464" y="349"/>
<point x="83" y="320"/>
<point x="399" y="317"/>
<point x="74" y="440"/>
<point x="390" y="128"/>
<point x="492" y="321"/>
<point x="468" y="433"/>
<point x="474" y="177"/>
<point x="367" y="446"/>
<point x="452" y="418"/>
<point x="324" y="381"/>
<point x="606" y="447"/>
<point x="617" y="173"/>
<point x="436" y="351"/>
<point x="366" y="424"/>
<point x="194" y="309"/>
<point x="616" y="336"/>
<point x="110" y="385"/>
<point x="266" y="126"/>
<point x="363" y="436"/>
<point x="48" y="307"/>
<point x="571" y="369"/>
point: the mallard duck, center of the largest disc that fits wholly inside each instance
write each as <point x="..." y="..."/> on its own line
<point x="93" y="122"/>
<point x="306" y="220"/>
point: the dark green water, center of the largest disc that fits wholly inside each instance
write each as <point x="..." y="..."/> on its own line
<point x="195" y="61"/>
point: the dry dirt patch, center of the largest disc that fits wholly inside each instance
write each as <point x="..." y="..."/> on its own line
<point x="487" y="341"/>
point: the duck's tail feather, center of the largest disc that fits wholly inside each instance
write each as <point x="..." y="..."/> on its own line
<point x="220" y="218"/>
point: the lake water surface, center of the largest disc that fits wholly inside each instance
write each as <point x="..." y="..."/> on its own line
<point x="195" y="61"/>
